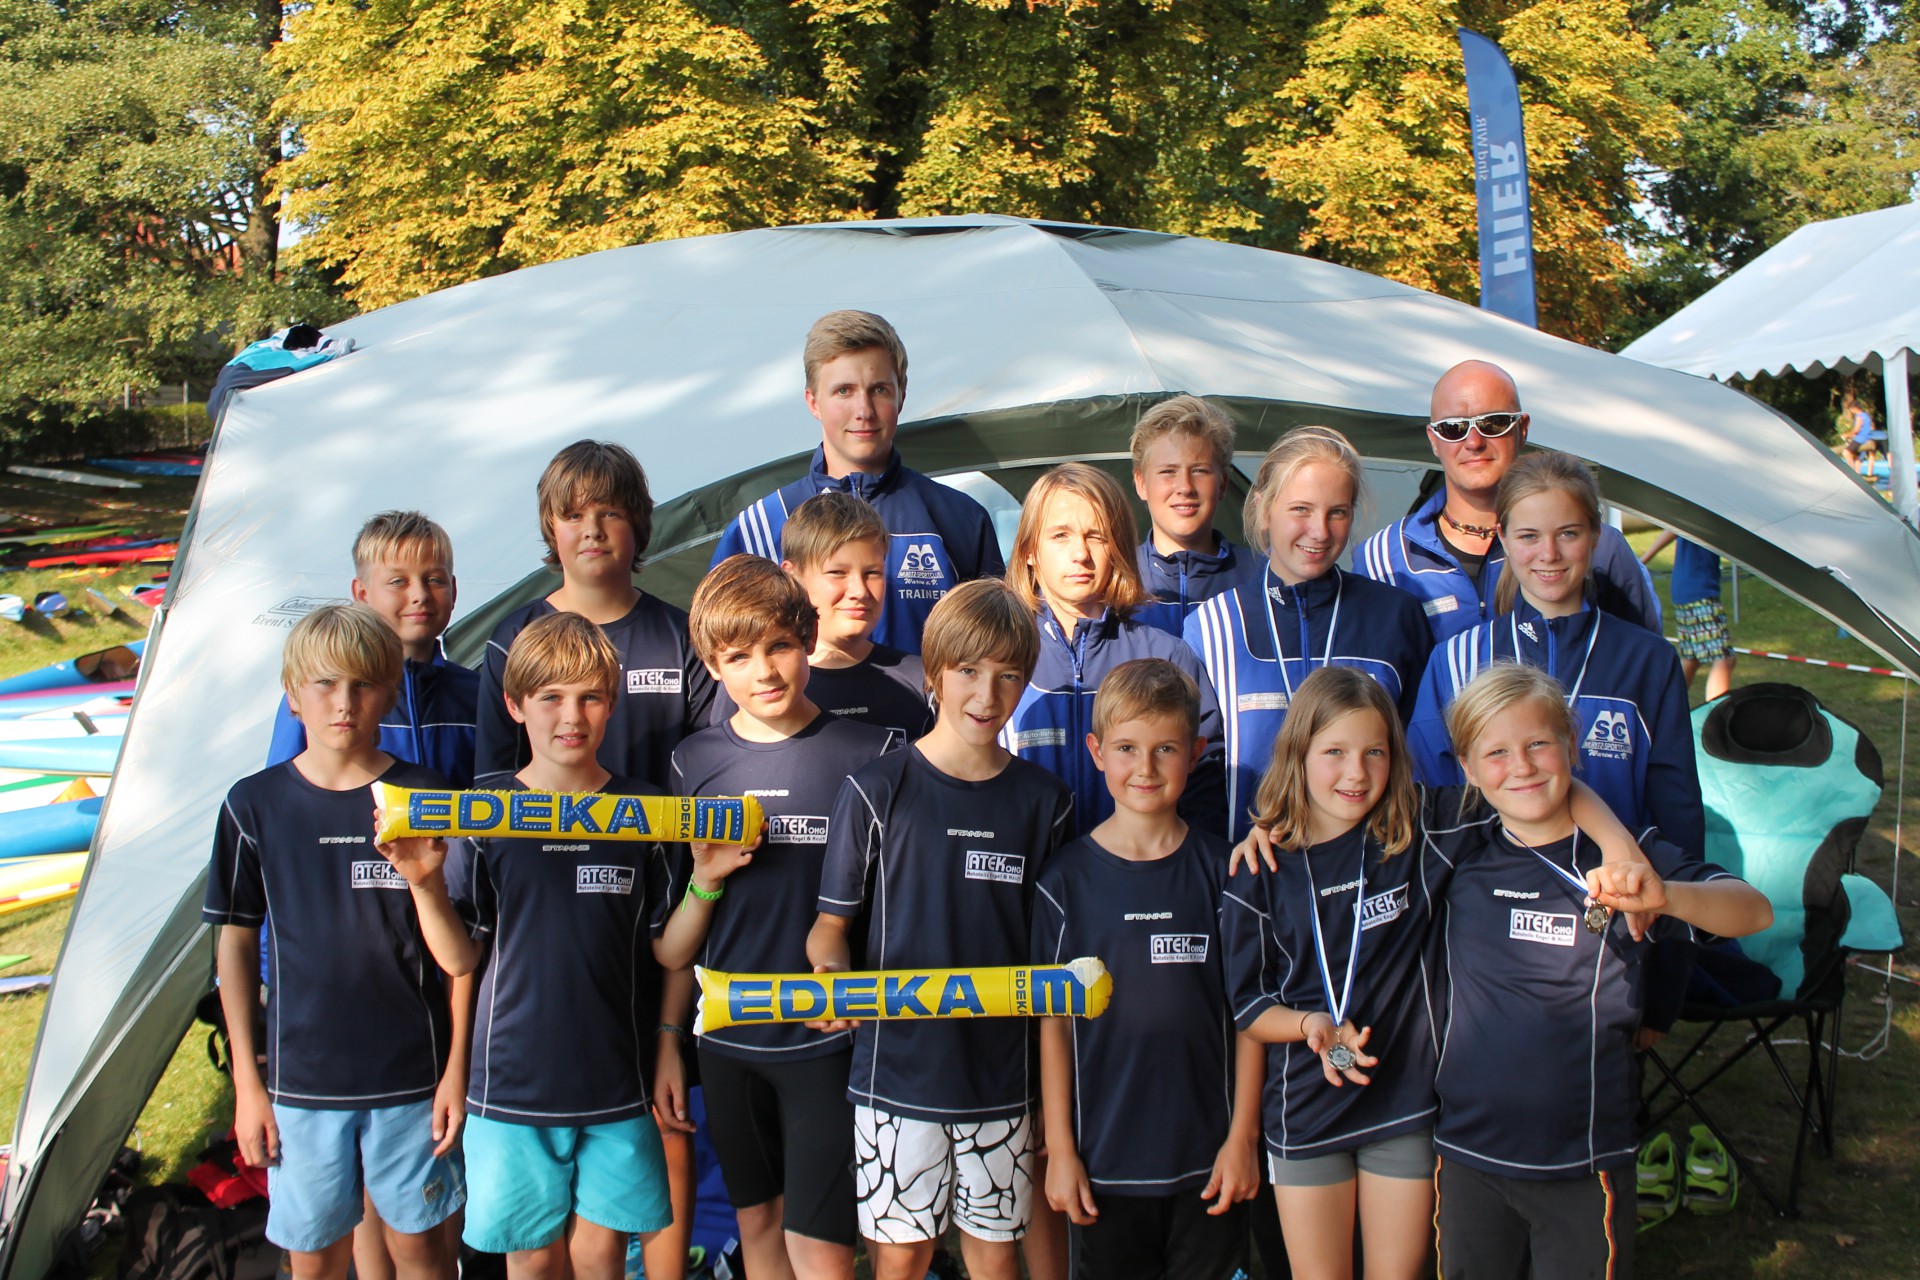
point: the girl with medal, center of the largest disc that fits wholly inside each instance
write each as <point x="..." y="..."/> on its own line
<point x="1623" y="683"/>
<point x="1261" y="640"/>
<point x="1537" y="1091"/>
<point x="1329" y="961"/>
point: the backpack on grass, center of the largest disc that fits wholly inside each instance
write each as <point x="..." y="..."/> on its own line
<point x="175" y="1233"/>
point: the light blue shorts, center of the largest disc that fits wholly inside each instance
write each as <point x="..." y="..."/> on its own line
<point x="528" y="1179"/>
<point x="328" y="1157"/>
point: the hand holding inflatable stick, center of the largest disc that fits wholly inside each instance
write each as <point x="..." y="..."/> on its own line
<point x="408" y="812"/>
<point x="1078" y="989"/>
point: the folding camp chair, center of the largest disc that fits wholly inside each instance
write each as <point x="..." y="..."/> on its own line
<point x="1788" y="787"/>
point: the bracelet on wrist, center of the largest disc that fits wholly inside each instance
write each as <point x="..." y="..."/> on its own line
<point x="705" y="895"/>
<point x="668" y="1028"/>
<point x="1303" y="1023"/>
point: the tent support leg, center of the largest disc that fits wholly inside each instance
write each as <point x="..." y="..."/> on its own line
<point x="1893" y="376"/>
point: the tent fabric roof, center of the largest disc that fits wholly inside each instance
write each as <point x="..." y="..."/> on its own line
<point x="1833" y="295"/>
<point x="1029" y="342"/>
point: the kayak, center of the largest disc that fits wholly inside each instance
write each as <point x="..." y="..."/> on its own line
<point x="117" y="663"/>
<point x="146" y="466"/>
<point x="51" y="828"/>
<point x="66" y="725"/>
<point x="74" y="534"/>
<point x="111" y="697"/>
<point x="28" y="884"/>
<point x="74" y="477"/>
<point x="92" y="755"/>
<point x="117" y="555"/>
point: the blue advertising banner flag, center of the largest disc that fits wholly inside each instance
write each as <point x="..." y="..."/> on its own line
<point x="1500" y="180"/>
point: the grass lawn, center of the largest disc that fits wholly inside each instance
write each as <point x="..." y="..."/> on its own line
<point x="1861" y="1207"/>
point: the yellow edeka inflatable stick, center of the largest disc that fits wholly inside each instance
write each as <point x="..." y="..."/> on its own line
<point x="1079" y="989"/>
<point x="407" y="812"/>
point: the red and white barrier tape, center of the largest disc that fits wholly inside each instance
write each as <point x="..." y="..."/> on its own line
<point x="1819" y="662"/>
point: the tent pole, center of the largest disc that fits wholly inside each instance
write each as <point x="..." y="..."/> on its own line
<point x="1893" y="373"/>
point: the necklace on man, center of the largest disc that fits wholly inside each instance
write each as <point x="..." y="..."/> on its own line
<point x="1487" y="531"/>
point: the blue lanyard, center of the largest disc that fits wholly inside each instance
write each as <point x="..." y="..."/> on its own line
<point x="1337" y="1009"/>
<point x="1273" y="629"/>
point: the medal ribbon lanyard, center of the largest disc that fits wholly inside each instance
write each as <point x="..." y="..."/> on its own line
<point x="1337" y="1009"/>
<point x="1546" y="624"/>
<point x="1579" y="883"/>
<point x="1306" y="656"/>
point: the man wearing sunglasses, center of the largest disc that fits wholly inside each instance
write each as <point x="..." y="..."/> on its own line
<point x="1447" y="550"/>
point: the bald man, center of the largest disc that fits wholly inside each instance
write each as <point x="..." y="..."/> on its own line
<point x="1447" y="552"/>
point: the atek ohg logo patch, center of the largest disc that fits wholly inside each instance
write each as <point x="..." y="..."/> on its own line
<point x="590" y="879"/>
<point x="1609" y="737"/>
<point x="1384" y="908"/>
<point x="654" y="680"/>
<point x="796" y="828"/>
<point x="1178" y="948"/>
<point x="377" y="875"/>
<point x="1549" y="927"/>
<point x="1001" y="868"/>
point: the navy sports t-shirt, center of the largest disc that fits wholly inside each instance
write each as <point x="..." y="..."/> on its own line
<point x="563" y="1027"/>
<point x="1272" y="959"/>
<point x="761" y="924"/>
<point x="665" y="694"/>
<point x="944" y="870"/>
<point x="886" y="689"/>
<point x="356" y="1012"/>
<point x="1153" y="1075"/>
<point x="1536" y="1075"/>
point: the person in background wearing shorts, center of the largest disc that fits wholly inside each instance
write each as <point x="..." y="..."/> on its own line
<point x="1702" y="619"/>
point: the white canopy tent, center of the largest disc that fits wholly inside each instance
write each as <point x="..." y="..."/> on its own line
<point x="1030" y="342"/>
<point x="1833" y="295"/>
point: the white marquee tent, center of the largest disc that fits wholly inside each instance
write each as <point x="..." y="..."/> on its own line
<point x="1030" y="343"/>
<point x="1833" y="295"/>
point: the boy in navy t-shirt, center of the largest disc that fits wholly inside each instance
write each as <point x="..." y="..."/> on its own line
<point x="564" y="1157"/>
<point x="1699" y="616"/>
<point x="1151" y="1110"/>
<point x="777" y="1108"/>
<point x="836" y="545"/>
<point x="937" y="847"/>
<point x="357" y="1018"/>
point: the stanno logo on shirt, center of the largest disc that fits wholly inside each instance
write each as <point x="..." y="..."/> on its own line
<point x="850" y="711"/>
<point x="377" y="875"/>
<point x="1148" y="915"/>
<point x="1179" y="948"/>
<point x="1029" y="739"/>
<point x="1275" y="701"/>
<point x="971" y="835"/>
<point x="1609" y="736"/>
<point x="796" y="828"/>
<point x="343" y="839"/>
<point x="565" y="848"/>
<point x="1439" y="605"/>
<point x="1384" y="908"/>
<point x="603" y="880"/>
<point x="1332" y="889"/>
<point x="1551" y="928"/>
<point x="768" y="791"/>
<point x="1531" y="634"/>
<point x="1515" y="893"/>
<point x="1002" y="868"/>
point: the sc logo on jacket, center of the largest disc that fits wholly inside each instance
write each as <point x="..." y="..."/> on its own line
<point x="923" y="570"/>
<point x="1609" y="736"/>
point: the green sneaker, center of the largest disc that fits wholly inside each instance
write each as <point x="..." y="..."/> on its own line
<point x="1713" y="1180"/>
<point x="1656" y="1181"/>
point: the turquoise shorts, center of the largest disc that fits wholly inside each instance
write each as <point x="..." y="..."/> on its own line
<point x="328" y="1157"/>
<point x="526" y="1180"/>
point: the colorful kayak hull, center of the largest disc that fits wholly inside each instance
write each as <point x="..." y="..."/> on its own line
<point x="52" y="828"/>
<point x="95" y="755"/>
<point x="59" y="675"/>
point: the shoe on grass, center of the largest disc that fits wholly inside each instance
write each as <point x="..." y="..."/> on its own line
<point x="1713" y="1180"/>
<point x="1656" y="1181"/>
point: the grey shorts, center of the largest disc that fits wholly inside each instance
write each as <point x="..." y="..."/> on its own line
<point x="1408" y="1157"/>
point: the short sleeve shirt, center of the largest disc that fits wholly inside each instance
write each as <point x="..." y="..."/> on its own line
<point x="563" y="1028"/>
<point x="943" y="870"/>
<point x="761" y="924"/>
<point x="1153" y="1075"/>
<point x="356" y="1011"/>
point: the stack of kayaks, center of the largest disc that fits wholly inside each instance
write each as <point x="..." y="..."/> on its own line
<point x="156" y="463"/>
<point x="61" y="728"/>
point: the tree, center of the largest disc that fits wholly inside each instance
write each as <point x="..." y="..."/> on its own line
<point x="134" y="225"/>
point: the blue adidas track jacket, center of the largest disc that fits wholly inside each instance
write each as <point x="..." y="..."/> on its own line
<point x="1629" y="711"/>
<point x="1409" y="554"/>
<point x="1055" y="715"/>
<point x="939" y="538"/>
<point x="1260" y="640"/>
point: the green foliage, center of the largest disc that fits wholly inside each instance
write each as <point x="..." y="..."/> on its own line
<point x="134" y="227"/>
